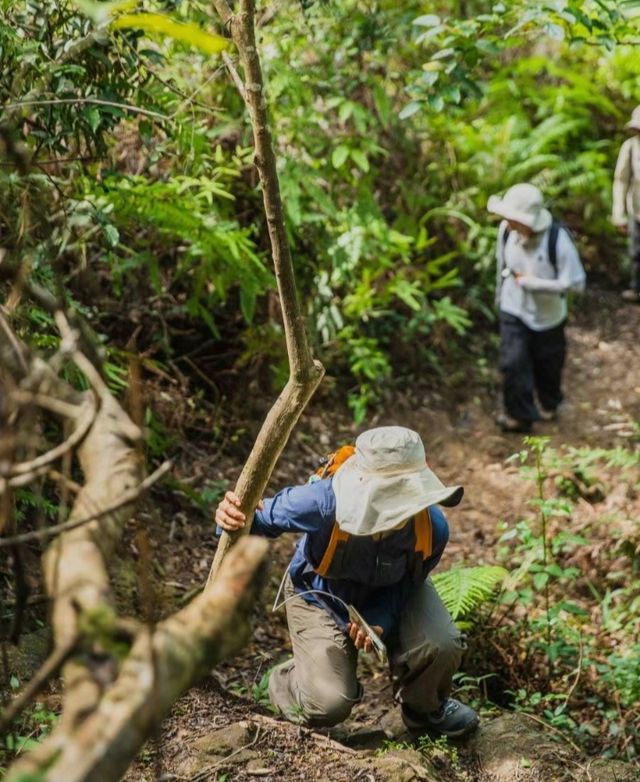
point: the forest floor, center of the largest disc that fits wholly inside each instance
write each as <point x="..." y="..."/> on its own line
<point x="223" y="729"/>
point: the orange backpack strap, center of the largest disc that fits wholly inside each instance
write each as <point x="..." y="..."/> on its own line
<point x="424" y="533"/>
<point x="336" y="460"/>
<point x="337" y="535"/>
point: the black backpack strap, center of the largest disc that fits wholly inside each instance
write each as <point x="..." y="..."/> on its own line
<point x="552" y="246"/>
<point x="505" y="237"/>
<point x="552" y="242"/>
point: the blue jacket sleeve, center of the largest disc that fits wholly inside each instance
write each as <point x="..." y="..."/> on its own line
<point x="296" y="509"/>
<point x="385" y="605"/>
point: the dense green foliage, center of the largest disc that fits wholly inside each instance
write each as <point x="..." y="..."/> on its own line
<point x="394" y="125"/>
<point x="128" y="188"/>
<point x="575" y="625"/>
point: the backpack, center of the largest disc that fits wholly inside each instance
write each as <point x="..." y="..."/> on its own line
<point x="552" y="242"/>
<point x="341" y="543"/>
<point x="329" y="465"/>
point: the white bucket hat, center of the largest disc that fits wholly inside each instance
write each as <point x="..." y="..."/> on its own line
<point x="387" y="481"/>
<point x="634" y="122"/>
<point x="523" y="204"/>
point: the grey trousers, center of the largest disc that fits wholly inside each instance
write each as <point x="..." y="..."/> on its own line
<point x="319" y="687"/>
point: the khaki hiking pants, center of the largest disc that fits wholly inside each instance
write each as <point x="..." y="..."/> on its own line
<point x="319" y="687"/>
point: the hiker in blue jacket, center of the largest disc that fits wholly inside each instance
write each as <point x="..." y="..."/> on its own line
<point x="372" y="533"/>
<point x="537" y="265"/>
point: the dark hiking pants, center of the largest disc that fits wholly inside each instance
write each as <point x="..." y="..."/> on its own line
<point x="531" y="361"/>
<point x="634" y="254"/>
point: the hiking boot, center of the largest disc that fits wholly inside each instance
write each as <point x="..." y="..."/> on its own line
<point x="453" y="719"/>
<point x="508" y="424"/>
<point x="631" y="295"/>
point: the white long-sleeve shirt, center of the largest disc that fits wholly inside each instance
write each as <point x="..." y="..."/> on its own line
<point x="626" y="183"/>
<point x="538" y="297"/>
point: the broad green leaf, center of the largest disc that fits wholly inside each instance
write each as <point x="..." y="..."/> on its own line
<point x="93" y="117"/>
<point x="540" y="580"/>
<point x="345" y="110"/>
<point x="247" y="302"/>
<point x="360" y="159"/>
<point x="436" y="102"/>
<point x="111" y="234"/>
<point x="383" y="104"/>
<point x="179" y="31"/>
<point x="430" y="77"/>
<point x="427" y="20"/>
<point x="409" y="110"/>
<point x="339" y="156"/>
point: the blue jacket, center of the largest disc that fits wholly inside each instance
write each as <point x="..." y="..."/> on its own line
<point x="311" y="509"/>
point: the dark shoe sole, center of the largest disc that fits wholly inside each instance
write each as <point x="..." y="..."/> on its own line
<point x="434" y="732"/>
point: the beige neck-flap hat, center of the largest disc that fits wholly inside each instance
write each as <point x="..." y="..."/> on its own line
<point x="387" y="481"/>
<point x="634" y="122"/>
<point x="523" y="204"/>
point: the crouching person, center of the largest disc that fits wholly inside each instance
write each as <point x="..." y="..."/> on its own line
<point x="373" y="531"/>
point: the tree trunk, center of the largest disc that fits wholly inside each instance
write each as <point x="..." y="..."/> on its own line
<point x="160" y="667"/>
<point x="305" y="373"/>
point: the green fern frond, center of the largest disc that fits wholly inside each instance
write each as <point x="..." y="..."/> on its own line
<point x="523" y="171"/>
<point x="463" y="589"/>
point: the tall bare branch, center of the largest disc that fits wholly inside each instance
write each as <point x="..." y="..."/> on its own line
<point x="305" y="373"/>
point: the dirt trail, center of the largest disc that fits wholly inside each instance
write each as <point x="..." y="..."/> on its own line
<point x="602" y="388"/>
<point x="602" y="384"/>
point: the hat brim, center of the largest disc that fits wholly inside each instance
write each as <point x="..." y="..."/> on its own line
<point x="369" y="503"/>
<point x="500" y="207"/>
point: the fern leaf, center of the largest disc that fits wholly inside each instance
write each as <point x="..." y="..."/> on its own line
<point x="463" y="589"/>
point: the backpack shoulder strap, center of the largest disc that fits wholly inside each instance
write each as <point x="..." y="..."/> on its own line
<point x="335" y="460"/>
<point x="552" y="247"/>
<point x="337" y="535"/>
<point x="424" y="533"/>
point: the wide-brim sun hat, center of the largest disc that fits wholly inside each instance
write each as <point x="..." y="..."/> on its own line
<point x="386" y="482"/>
<point x="522" y="204"/>
<point x="634" y="122"/>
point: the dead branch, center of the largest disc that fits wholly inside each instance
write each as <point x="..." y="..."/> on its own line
<point x="234" y="75"/>
<point x="56" y="406"/>
<point x="305" y="373"/>
<point x="84" y="419"/>
<point x="126" y="499"/>
<point x="21" y="480"/>
<point x="75" y="570"/>
<point x="101" y="731"/>
<point x="27" y="478"/>
<point x="552" y="730"/>
<point x="13" y="342"/>
<point x="159" y="668"/>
